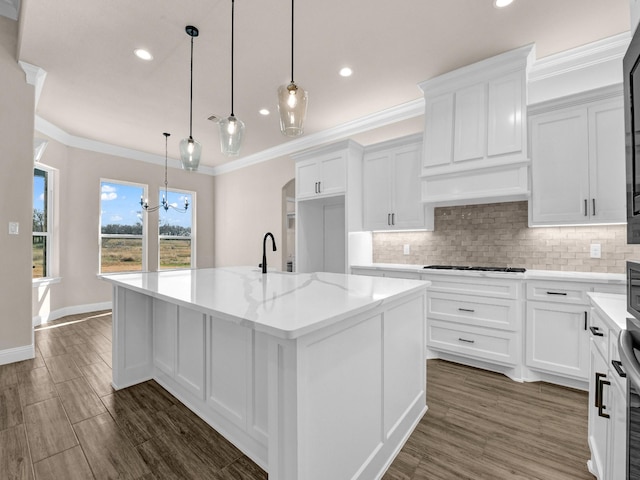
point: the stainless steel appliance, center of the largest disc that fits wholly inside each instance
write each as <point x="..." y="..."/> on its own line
<point x="477" y="269"/>
<point x="629" y="349"/>
<point x="631" y="70"/>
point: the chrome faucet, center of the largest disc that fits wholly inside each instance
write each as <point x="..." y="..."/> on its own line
<point x="264" y="250"/>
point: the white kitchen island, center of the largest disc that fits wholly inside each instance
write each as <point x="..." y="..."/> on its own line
<point x="313" y="376"/>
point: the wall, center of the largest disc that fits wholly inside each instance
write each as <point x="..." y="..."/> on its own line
<point x="16" y="160"/>
<point x="497" y="235"/>
<point x="248" y="205"/>
<point x="77" y="222"/>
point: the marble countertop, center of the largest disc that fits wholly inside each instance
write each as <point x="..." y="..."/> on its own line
<point x="591" y="277"/>
<point x="287" y="305"/>
<point x="613" y="306"/>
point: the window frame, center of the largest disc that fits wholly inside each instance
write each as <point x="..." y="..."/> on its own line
<point x="191" y="211"/>
<point x="144" y="237"/>
<point x="50" y="180"/>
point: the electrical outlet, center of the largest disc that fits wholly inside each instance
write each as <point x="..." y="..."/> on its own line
<point x="596" y="250"/>
<point x="406" y="249"/>
<point x="14" y="228"/>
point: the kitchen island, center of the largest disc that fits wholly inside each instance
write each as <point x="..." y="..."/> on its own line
<point x="313" y="376"/>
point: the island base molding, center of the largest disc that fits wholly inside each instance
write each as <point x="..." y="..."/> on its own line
<point x="338" y="402"/>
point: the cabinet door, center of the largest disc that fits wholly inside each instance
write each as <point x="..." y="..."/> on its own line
<point x="556" y="339"/>
<point x="407" y="207"/>
<point x="505" y="115"/>
<point x="307" y="178"/>
<point x="598" y="425"/>
<point x="438" y="138"/>
<point x="559" y="168"/>
<point x="377" y="191"/>
<point x="470" y="123"/>
<point x="617" y="409"/>
<point x="333" y="174"/>
<point x="607" y="163"/>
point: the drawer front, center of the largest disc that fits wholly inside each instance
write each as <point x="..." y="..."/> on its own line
<point x="561" y="292"/>
<point x="475" y="311"/>
<point x="407" y="275"/>
<point x="493" y="345"/>
<point x="489" y="287"/>
<point x="599" y="333"/>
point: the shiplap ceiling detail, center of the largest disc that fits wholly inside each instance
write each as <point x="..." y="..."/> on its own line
<point x="98" y="91"/>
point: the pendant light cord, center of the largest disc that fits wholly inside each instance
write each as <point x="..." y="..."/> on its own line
<point x="191" y="94"/>
<point x="233" y="5"/>
<point x="292" y="41"/>
<point x="166" y="154"/>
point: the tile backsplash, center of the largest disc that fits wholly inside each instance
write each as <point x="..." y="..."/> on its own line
<point x="497" y="235"/>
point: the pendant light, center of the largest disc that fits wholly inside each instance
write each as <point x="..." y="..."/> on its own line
<point x="292" y="101"/>
<point x="144" y="203"/>
<point x="190" y="149"/>
<point x="231" y="128"/>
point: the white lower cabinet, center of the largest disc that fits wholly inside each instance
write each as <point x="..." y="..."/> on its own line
<point x="607" y="398"/>
<point x="557" y="339"/>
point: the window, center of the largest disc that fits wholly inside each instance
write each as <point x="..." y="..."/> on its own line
<point x="122" y="229"/>
<point x="41" y="249"/>
<point x="175" y="231"/>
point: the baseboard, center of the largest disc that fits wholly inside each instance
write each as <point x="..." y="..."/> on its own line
<point x="17" y="354"/>
<point x="74" y="310"/>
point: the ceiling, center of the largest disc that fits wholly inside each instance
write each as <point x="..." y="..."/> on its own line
<point x="97" y="89"/>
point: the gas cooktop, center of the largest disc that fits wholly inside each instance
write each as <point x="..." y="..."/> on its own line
<point x="477" y="269"/>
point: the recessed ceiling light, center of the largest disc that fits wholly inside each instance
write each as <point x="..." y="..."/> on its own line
<point x="143" y="54"/>
<point x="264" y="111"/>
<point x="502" y="3"/>
<point x="346" y="72"/>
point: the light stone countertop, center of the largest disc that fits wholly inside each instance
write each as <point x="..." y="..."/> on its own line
<point x="589" y="277"/>
<point x="286" y="305"/>
<point x="613" y="306"/>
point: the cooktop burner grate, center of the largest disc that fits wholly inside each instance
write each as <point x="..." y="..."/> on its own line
<point x="477" y="269"/>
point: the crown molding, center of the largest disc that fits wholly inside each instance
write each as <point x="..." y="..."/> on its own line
<point x="52" y="131"/>
<point x="401" y="112"/>
<point x="591" y="54"/>
<point x="10" y="8"/>
<point x="35" y="76"/>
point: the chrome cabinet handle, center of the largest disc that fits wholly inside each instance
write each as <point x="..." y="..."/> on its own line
<point x="466" y="341"/>
<point x="617" y="364"/>
<point x="586" y="208"/>
<point x="595" y="331"/>
<point x="593" y="205"/>
<point x="466" y="310"/>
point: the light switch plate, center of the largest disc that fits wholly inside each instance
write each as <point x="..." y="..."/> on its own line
<point x="406" y="249"/>
<point x="14" y="228"/>
<point x="596" y="250"/>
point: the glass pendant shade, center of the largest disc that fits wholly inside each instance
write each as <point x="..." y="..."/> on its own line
<point x="190" y="151"/>
<point x="292" y="107"/>
<point x="231" y="133"/>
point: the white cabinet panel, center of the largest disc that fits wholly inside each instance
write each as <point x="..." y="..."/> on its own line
<point x="438" y="139"/>
<point x="322" y="176"/>
<point x="260" y="385"/>
<point x="307" y="175"/>
<point x="377" y="191"/>
<point x="165" y="330"/>
<point x="190" y="356"/>
<point x="578" y="161"/>
<point x="598" y="425"/>
<point x="607" y="163"/>
<point x="470" y="123"/>
<point x="229" y="360"/>
<point x="505" y="115"/>
<point x="391" y="185"/>
<point x="559" y="151"/>
<point x="617" y="409"/>
<point x="557" y="340"/>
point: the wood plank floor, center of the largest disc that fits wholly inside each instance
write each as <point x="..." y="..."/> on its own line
<point x="60" y="419"/>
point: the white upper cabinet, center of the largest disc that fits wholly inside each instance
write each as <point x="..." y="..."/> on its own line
<point x="391" y="185"/>
<point x="474" y="125"/>
<point x="578" y="160"/>
<point x="325" y="175"/>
